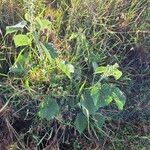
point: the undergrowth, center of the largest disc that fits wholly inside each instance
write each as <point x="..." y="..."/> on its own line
<point x="74" y="74"/>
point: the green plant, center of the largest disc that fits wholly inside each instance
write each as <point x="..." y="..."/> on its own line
<point x="33" y="47"/>
<point x="91" y="99"/>
<point x="97" y="96"/>
<point x="57" y="51"/>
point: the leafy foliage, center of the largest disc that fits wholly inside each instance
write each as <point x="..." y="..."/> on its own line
<point x="99" y="120"/>
<point x="110" y="70"/>
<point x="48" y="108"/>
<point x="59" y="52"/>
<point x="15" y="28"/>
<point x="65" y="68"/>
<point x="43" y="23"/>
<point x="119" y="97"/>
<point x="81" y="122"/>
<point x="92" y="99"/>
<point x="22" y="40"/>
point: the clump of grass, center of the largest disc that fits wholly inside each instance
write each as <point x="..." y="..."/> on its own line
<point x="10" y="12"/>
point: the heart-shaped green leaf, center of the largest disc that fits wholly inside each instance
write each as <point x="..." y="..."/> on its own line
<point x="81" y="122"/>
<point x="88" y="102"/>
<point x="21" y="40"/>
<point x="48" y="108"/>
<point x="119" y="98"/>
<point x="109" y="70"/>
<point x="43" y="23"/>
<point x="100" y="120"/>
<point x="105" y="97"/>
<point x="95" y="93"/>
<point x="65" y="67"/>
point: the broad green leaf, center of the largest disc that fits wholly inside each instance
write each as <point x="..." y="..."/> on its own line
<point x="100" y="120"/>
<point x="43" y="23"/>
<point x="88" y="102"/>
<point x="21" y="40"/>
<point x="65" y="67"/>
<point x="108" y="93"/>
<point x="119" y="98"/>
<point x="117" y="74"/>
<point x="15" y="28"/>
<point x="81" y="122"/>
<point x="48" y="108"/>
<point x="105" y="95"/>
<point x="95" y="93"/>
<point x="51" y="49"/>
<point x="109" y="70"/>
<point x="46" y="51"/>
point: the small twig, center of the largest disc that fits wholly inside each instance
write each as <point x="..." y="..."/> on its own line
<point x="140" y="13"/>
<point x="6" y="104"/>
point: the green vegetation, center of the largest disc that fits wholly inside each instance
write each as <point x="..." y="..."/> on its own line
<point x="74" y="74"/>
